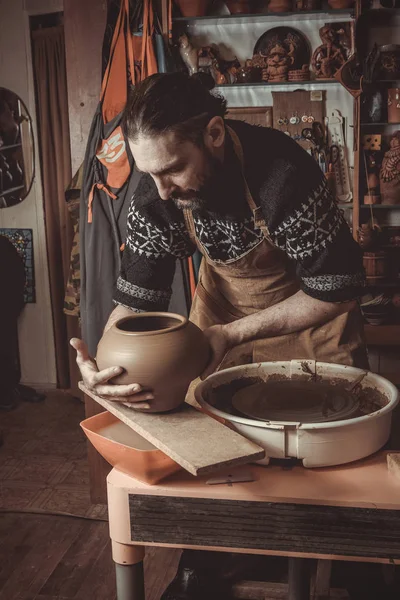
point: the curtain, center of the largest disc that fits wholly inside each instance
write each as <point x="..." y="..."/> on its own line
<point x="54" y="143"/>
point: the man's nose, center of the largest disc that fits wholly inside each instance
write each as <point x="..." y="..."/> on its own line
<point x="164" y="187"/>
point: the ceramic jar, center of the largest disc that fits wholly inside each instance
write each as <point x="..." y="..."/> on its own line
<point x="239" y="7"/>
<point x="193" y="8"/>
<point x="163" y="352"/>
<point x="280" y="6"/>
<point x="340" y="4"/>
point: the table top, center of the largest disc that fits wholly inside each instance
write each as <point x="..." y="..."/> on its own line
<point x="365" y="484"/>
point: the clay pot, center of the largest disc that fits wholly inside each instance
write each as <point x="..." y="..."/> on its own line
<point x="372" y="199"/>
<point x="239" y="7"/>
<point x="193" y="8"/>
<point x="375" y="265"/>
<point x="280" y="6"/>
<point x="163" y="352"/>
<point x="309" y="4"/>
<point x="340" y="4"/>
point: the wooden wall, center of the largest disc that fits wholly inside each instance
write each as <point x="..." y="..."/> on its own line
<point x="84" y="24"/>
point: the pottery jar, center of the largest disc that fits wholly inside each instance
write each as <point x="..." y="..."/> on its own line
<point x="162" y="352"/>
<point x="340" y="4"/>
<point x="280" y="6"/>
<point x="193" y="8"/>
<point x="239" y="7"/>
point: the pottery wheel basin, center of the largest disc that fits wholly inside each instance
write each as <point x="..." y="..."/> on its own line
<point x="323" y="414"/>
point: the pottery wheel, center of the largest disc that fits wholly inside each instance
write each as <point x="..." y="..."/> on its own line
<point x="299" y="401"/>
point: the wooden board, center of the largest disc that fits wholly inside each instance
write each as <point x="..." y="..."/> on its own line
<point x="198" y="443"/>
<point x="254" y="115"/>
<point x="297" y="103"/>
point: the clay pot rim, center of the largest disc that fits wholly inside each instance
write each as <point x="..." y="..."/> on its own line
<point x="182" y="323"/>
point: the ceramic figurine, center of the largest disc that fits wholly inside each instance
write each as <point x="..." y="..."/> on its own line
<point x="390" y="172"/>
<point x="189" y="53"/>
<point x="330" y="55"/>
<point x="276" y="62"/>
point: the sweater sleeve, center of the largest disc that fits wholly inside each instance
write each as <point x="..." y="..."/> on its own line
<point x="314" y="233"/>
<point x="148" y="261"/>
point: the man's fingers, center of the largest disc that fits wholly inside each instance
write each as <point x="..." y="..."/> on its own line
<point x="82" y="353"/>
<point x="106" y="374"/>
<point x="118" y="393"/>
<point x="143" y="406"/>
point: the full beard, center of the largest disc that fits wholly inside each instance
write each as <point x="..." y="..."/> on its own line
<point x="202" y="198"/>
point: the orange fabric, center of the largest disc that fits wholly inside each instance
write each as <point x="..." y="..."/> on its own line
<point x="112" y="154"/>
<point x="128" y="51"/>
<point x="100" y="186"/>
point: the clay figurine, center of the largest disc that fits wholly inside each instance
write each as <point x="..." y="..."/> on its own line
<point x="390" y="172"/>
<point x="188" y="53"/>
<point x="276" y="61"/>
<point x="330" y="56"/>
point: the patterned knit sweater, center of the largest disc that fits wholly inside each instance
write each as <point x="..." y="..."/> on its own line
<point x="302" y="217"/>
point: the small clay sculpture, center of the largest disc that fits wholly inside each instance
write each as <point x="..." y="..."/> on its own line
<point x="330" y="55"/>
<point x="188" y="53"/>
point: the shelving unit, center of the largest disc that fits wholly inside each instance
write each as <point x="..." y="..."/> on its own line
<point x="376" y="335"/>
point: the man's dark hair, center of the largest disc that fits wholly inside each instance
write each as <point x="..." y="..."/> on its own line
<point x="173" y="102"/>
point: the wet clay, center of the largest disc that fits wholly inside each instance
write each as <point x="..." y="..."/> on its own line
<point x="307" y="401"/>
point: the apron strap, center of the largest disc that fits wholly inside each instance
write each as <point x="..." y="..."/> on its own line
<point x="259" y="220"/>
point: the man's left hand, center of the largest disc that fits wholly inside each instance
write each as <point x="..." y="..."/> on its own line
<point x="220" y="343"/>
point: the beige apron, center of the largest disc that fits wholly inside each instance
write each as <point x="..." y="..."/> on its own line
<point x="261" y="278"/>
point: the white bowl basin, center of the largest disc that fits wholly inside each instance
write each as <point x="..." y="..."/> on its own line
<point x="316" y="444"/>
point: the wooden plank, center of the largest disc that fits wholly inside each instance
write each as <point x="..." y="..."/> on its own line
<point x="46" y="546"/>
<point x="266" y="526"/>
<point x="382" y="335"/>
<point x="98" y="466"/>
<point x="198" y="443"/>
<point x="70" y="573"/>
<point x="264" y="590"/>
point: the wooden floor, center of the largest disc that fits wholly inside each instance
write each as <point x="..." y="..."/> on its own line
<point x="44" y="557"/>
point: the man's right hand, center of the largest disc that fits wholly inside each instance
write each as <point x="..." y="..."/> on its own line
<point x="98" y="381"/>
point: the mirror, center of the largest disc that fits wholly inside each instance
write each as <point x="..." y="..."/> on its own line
<point x="17" y="152"/>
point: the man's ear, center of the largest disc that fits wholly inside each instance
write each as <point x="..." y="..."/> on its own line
<point x="214" y="135"/>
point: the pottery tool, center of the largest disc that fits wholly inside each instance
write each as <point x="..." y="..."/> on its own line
<point x="334" y="123"/>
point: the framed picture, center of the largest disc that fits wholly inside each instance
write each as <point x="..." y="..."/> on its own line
<point x="254" y="115"/>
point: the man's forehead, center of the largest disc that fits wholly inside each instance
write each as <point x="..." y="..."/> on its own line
<point x="159" y="153"/>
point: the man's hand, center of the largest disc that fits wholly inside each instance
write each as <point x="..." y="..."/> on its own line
<point x="98" y="381"/>
<point x="220" y="343"/>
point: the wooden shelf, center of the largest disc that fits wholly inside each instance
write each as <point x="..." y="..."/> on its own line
<point x="381" y="206"/>
<point x="372" y="125"/>
<point x="382" y="335"/>
<point x="295" y="84"/>
<point x="299" y="15"/>
<point x="12" y="190"/>
<point x="10" y="147"/>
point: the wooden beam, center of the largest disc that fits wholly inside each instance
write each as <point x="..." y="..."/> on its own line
<point x="275" y="527"/>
